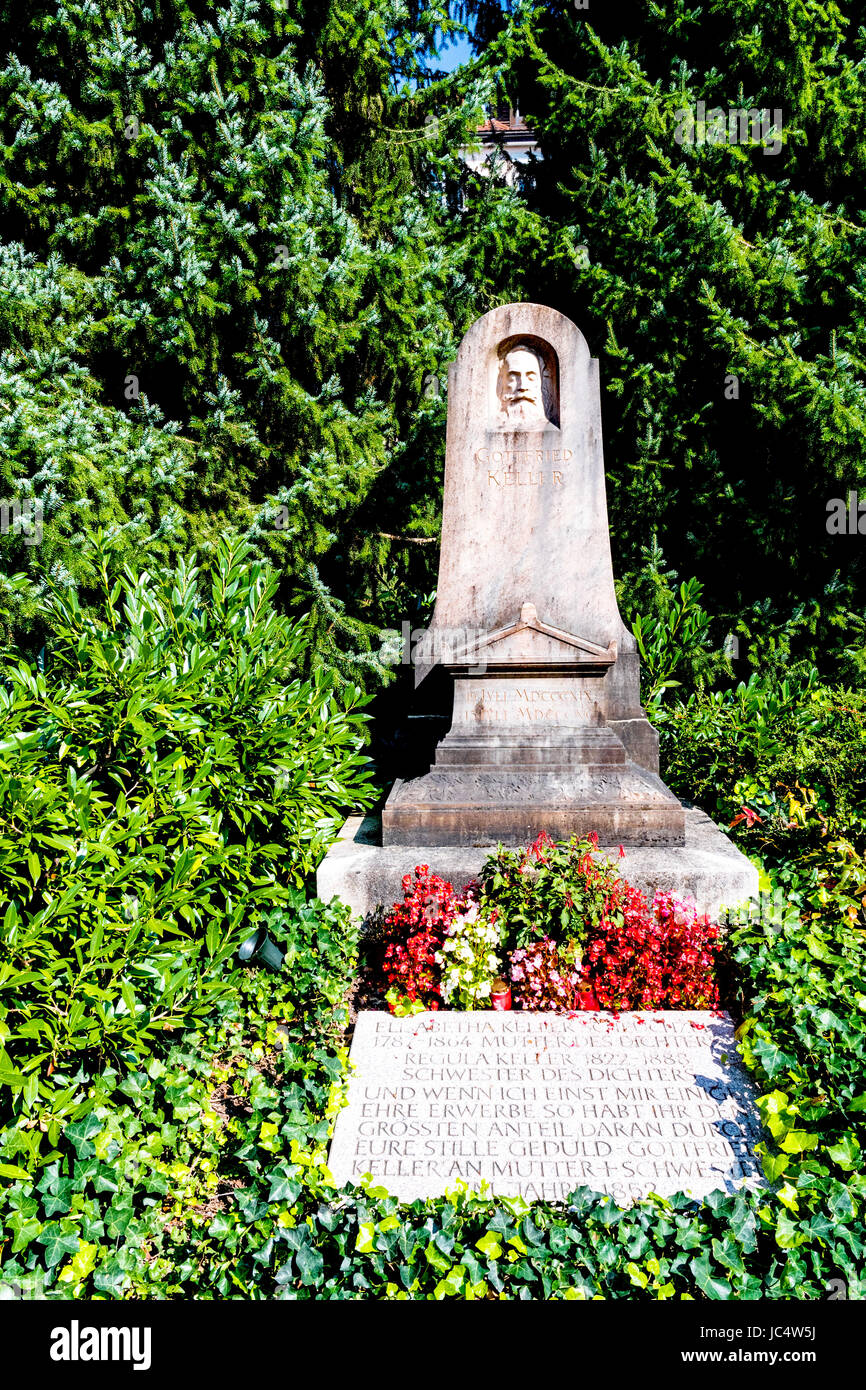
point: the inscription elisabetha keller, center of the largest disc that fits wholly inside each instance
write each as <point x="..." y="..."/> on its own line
<point x="539" y="1104"/>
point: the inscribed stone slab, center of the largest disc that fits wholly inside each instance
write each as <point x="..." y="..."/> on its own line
<point x="538" y="1104"/>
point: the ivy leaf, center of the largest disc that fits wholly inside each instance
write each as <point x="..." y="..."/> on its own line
<point x="774" y="1165"/>
<point x="451" y="1285"/>
<point x="821" y="1226"/>
<point x="111" y="1278"/>
<point x="788" y="1234"/>
<point x="117" y="1219"/>
<point x="310" y="1264"/>
<point x="25" y="1230"/>
<point x="727" y="1253"/>
<point x="798" y="1141"/>
<point x="58" y="1201"/>
<point x="772" y="1057"/>
<point x="81" y="1132"/>
<point x="221" y="1227"/>
<point x="83" y="1262"/>
<point x="364" y="1242"/>
<point x="284" y="1189"/>
<point x="709" y="1283"/>
<point x="263" y="1256"/>
<point x="744" y="1224"/>
<point x="847" y="1152"/>
<point x="489" y="1246"/>
<point x="441" y="1263"/>
<point x="636" y="1275"/>
<point x="57" y="1243"/>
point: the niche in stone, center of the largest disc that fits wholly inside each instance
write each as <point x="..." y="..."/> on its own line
<point x="525" y="375"/>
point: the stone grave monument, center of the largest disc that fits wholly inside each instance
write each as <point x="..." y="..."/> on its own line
<point x="547" y="731"/>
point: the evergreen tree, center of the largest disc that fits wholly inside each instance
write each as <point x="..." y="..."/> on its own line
<point x="721" y="285"/>
<point x="223" y="261"/>
<point x="240" y="248"/>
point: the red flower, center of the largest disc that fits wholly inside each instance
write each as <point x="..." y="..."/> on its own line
<point x="414" y="931"/>
<point x="585" y="999"/>
<point x="662" y="956"/>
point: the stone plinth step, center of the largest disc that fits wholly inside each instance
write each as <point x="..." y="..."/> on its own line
<point x="707" y="868"/>
<point x="593" y="746"/>
<point x="625" y="804"/>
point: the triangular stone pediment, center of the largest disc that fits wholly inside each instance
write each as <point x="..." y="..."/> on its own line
<point x="530" y="644"/>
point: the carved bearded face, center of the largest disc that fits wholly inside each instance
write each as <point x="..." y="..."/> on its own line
<point x="519" y="387"/>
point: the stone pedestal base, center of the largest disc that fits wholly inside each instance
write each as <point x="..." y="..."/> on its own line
<point x="708" y="867"/>
<point x="622" y="802"/>
<point x="527" y="753"/>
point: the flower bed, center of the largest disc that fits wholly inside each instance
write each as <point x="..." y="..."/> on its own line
<point x="559" y="923"/>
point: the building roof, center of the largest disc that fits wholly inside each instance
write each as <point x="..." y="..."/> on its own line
<point x="496" y="128"/>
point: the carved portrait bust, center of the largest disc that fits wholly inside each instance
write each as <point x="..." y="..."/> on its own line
<point x="524" y="388"/>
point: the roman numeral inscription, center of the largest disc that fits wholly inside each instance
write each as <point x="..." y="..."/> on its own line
<point x="554" y="701"/>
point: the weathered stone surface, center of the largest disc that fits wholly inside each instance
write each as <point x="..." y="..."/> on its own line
<point x="546" y="691"/>
<point x="525" y="552"/>
<point x="524" y="515"/>
<point x="539" y="1104"/>
<point x="625" y="805"/>
<point x="708" y="867"/>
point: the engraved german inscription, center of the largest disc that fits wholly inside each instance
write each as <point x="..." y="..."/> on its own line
<point x="539" y="1104"/>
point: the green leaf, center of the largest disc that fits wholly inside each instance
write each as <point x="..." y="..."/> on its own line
<point x="436" y="1258"/>
<point x="709" y="1283"/>
<point x="14" y="1171"/>
<point x="788" y="1234"/>
<point x="798" y="1141"/>
<point x="774" y="1165"/>
<point x="451" y="1285"/>
<point x="284" y="1189"/>
<point x="846" y="1153"/>
<point x="728" y="1254"/>
<point x="489" y="1246"/>
<point x="57" y="1243"/>
<point x="365" y="1238"/>
<point x="310" y="1264"/>
<point x="772" y="1057"/>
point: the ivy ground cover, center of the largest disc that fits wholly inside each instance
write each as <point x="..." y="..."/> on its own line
<point x="203" y="1173"/>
